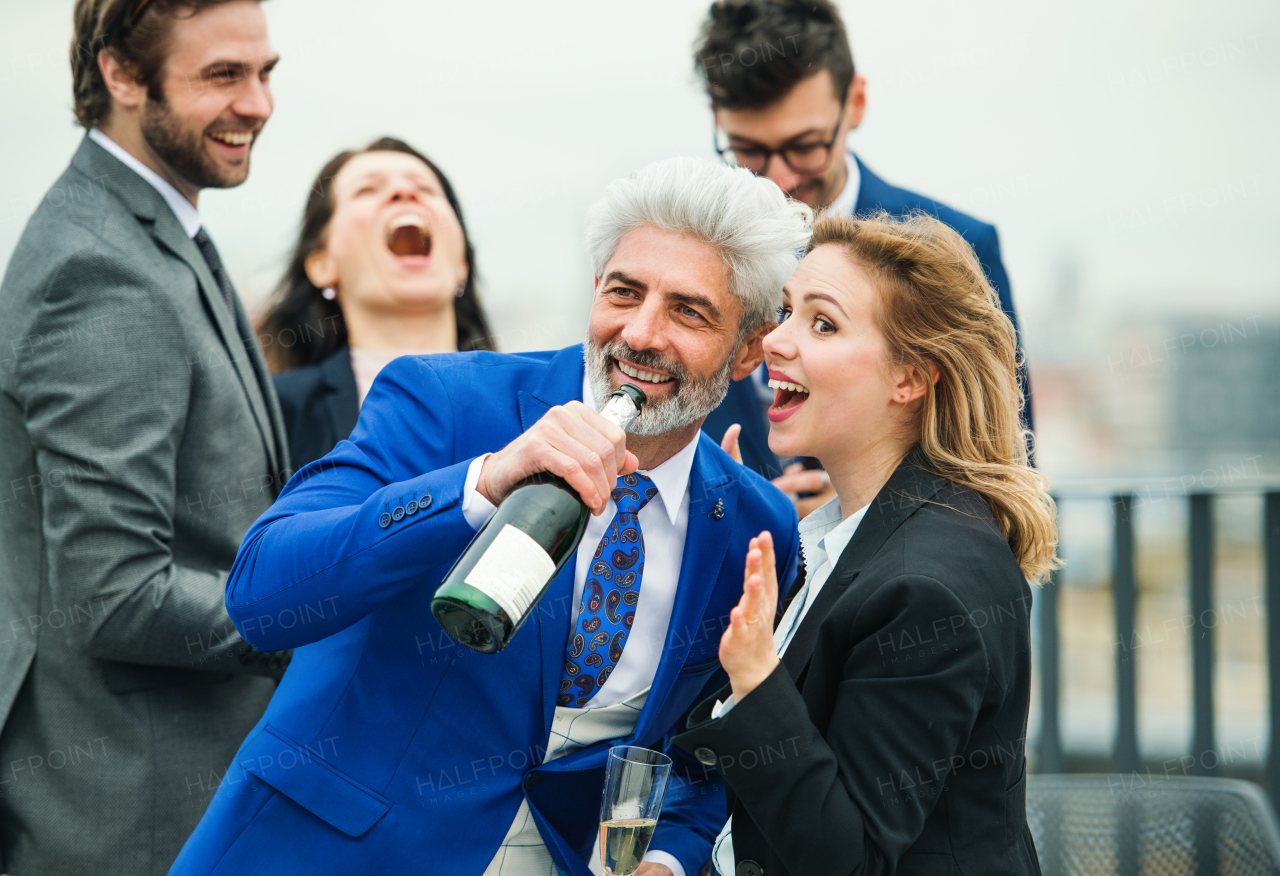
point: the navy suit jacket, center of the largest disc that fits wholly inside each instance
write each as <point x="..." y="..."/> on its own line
<point x="389" y="749"/>
<point x="320" y="405"/>
<point x="874" y="194"/>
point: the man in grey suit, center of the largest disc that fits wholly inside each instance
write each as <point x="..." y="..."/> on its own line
<point x="139" y="439"/>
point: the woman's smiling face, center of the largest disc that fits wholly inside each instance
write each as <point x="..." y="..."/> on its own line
<point x="394" y="243"/>
<point x="827" y="345"/>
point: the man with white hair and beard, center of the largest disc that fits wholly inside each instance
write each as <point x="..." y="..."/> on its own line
<point x="388" y="748"/>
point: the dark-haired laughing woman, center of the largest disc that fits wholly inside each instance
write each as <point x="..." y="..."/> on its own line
<point x="880" y="728"/>
<point x="382" y="268"/>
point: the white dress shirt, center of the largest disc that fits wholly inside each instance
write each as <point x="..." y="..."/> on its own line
<point x="847" y="200"/>
<point x="823" y="538"/>
<point x="186" y="211"/>
<point x="663" y="525"/>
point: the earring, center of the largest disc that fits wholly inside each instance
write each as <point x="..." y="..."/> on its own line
<point x="329" y="293"/>
<point x="460" y="291"/>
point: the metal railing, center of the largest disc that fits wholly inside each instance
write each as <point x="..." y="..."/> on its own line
<point x="1126" y="754"/>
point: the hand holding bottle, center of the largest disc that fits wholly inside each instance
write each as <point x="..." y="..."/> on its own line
<point x="571" y="441"/>
<point x="546" y="481"/>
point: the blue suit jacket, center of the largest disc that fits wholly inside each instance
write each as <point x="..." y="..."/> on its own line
<point x="389" y="749"/>
<point x="874" y="194"/>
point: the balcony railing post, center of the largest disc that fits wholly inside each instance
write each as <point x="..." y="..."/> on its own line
<point x="1271" y="547"/>
<point x="1050" y="748"/>
<point x="1203" y="622"/>
<point x="1125" y="594"/>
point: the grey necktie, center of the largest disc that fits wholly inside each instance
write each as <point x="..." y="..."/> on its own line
<point x="210" y="253"/>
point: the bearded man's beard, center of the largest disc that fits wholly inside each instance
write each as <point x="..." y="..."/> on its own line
<point x="692" y="400"/>
<point x="182" y="149"/>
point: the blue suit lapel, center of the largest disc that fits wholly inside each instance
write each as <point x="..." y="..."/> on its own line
<point x="871" y="191"/>
<point x="874" y="195"/>
<point x="562" y="383"/>
<point x="713" y="501"/>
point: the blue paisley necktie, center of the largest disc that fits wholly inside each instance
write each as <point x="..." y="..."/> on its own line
<point x="609" y="597"/>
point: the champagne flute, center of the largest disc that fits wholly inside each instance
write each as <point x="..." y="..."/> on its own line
<point x="635" y="781"/>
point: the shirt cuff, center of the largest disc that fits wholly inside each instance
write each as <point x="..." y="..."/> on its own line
<point x="655" y="856"/>
<point x="476" y="509"/>
<point x="722" y="707"/>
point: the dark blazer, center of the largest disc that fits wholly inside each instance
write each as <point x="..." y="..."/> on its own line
<point x="742" y="406"/>
<point x="874" y="194"/>
<point x="891" y="738"/>
<point x="320" y="405"/>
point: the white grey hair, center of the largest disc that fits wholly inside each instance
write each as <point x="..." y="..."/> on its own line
<point x="757" y="230"/>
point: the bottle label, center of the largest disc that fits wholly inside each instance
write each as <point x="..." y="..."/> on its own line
<point x="512" y="572"/>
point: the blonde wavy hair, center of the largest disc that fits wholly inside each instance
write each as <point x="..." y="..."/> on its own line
<point x="935" y="307"/>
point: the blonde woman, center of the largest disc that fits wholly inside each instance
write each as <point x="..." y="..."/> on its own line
<point x="880" y="727"/>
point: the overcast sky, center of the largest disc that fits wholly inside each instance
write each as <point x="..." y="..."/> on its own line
<point x="1135" y="139"/>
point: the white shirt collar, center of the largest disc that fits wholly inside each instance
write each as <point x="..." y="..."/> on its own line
<point x="825" y="517"/>
<point x="187" y="214"/>
<point x="835" y="541"/>
<point x="671" y="477"/>
<point x="847" y="200"/>
<point x="824" y="535"/>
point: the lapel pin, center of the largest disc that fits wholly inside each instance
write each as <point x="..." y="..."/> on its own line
<point x="717" y="513"/>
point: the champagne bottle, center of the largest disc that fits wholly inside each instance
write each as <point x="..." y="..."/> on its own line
<point x="495" y="584"/>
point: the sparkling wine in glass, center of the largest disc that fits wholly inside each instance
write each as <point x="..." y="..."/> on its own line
<point x="635" y="781"/>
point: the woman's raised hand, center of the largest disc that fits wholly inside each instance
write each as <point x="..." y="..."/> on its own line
<point x="746" y="649"/>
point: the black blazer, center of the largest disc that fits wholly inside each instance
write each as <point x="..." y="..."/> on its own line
<point x="891" y="738"/>
<point x="320" y="404"/>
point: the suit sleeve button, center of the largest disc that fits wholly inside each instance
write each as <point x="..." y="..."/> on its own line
<point x="412" y="508"/>
<point x="749" y="868"/>
<point x="705" y="755"/>
<point x="425" y="502"/>
<point x="398" y="514"/>
<point x="385" y="520"/>
<point x="532" y="780"/>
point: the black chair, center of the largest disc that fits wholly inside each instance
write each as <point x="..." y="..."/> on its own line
<point x="1151" y="825"/>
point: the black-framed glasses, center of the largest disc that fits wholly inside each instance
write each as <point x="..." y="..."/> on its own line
<point x="803" y="158"/>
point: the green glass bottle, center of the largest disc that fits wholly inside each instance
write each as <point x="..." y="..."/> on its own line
<point x="496" y="583"/>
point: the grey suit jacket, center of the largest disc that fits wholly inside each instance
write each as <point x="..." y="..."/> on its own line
<point x="139" y="439"/>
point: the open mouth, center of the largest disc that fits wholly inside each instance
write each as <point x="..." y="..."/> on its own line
<point x="642" y="375"/>
<point x="409" y="235"/>
<point x="788" y="396"/>
<point x="234" y="139"/>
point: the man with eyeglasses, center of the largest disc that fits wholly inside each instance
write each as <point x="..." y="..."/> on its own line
<point x="785" y="96"/>
<point x="140" y="438"/>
